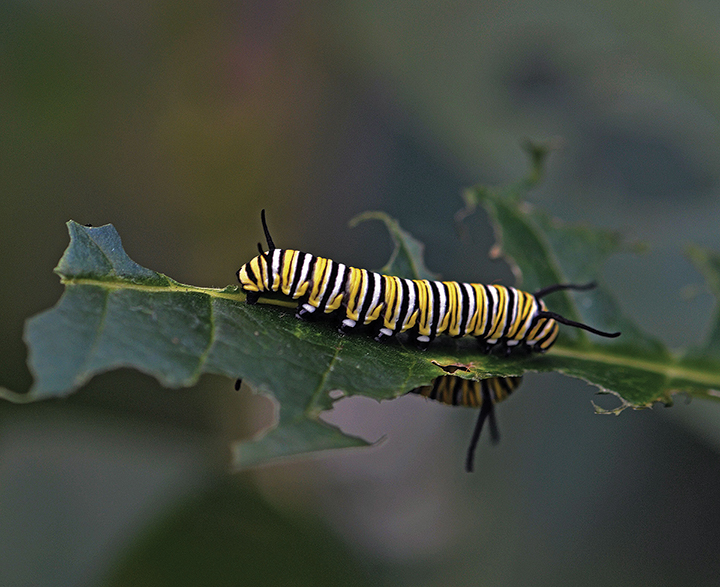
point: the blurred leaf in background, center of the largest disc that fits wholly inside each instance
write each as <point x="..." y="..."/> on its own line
<point x="227" y="535"/>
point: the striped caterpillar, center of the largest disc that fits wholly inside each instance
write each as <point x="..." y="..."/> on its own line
<point x="499" y="317"/>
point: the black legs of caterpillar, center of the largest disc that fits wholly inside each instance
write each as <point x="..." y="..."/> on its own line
<point x="305" y="312"/>
<point x="487" y="412"/>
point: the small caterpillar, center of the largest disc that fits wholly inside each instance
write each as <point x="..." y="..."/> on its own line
<point x="483" y="394"/>
<point x="499" y="317"/>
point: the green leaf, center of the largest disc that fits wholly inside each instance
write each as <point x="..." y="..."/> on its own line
<point x="636" y="367"/>
<point x="115" y="313"/>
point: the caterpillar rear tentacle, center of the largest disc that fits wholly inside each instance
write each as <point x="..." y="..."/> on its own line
<point x="503" y="319"/>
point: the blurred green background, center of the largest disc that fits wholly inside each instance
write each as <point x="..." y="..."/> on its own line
<point x="178" y="121"/>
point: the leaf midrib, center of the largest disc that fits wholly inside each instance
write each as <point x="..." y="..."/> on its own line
<point x="173" y="287"/>
<point x="672" y="370"/>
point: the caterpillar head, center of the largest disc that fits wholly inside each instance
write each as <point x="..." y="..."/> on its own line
<point x="253" y="275"/>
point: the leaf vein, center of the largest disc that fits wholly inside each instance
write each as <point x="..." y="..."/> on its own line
<point x="311" y="409"/>
<point x="211" y="343"/>
<point x="92" y="349"/>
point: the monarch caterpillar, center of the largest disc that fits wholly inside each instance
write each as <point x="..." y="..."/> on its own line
<point x="499" y="317"/>
<point x="483" y="394"/>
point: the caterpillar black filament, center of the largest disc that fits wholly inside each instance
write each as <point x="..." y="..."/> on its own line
<point x="483" y="394"/>
<point x="497" y="316"/>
